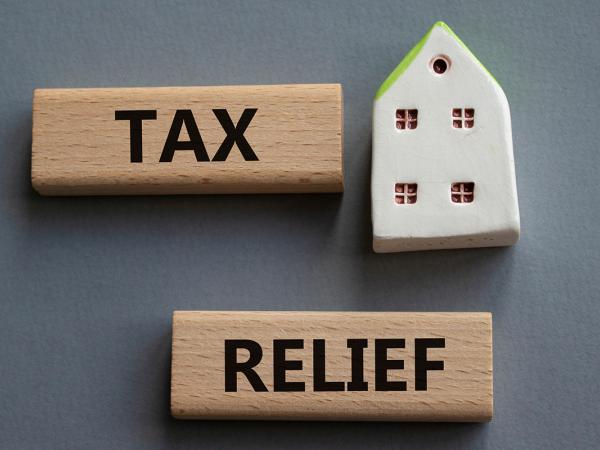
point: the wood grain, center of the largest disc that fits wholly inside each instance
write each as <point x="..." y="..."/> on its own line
<point x="78" y="148"/>
<point x="462" y="391"/>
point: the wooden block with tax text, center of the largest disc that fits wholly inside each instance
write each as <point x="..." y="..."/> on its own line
<point x="387" y="366"/>
<point x="188" y="140"/>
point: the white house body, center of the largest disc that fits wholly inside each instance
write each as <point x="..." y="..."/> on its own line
<point x="443" y="169"/>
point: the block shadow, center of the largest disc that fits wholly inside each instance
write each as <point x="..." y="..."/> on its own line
<point x="304" y="434"/>
<point x="135" y="214"/>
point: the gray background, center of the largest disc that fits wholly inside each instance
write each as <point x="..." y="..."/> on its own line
<point x="88" y="284"/>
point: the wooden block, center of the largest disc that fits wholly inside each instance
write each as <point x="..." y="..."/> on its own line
<point x="188" y="140"/>
<point x="332" y="366"/>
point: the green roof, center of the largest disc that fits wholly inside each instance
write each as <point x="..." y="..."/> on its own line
<point x="409" y="58"/>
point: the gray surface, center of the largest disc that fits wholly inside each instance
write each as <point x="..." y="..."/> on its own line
<point x="88" y="284"/>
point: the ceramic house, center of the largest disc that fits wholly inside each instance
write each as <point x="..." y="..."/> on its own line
<point x="443" y="170"/>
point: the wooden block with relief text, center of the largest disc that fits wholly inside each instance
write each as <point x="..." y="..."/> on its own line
<point x="188" y="140"/>
<point x="332" y="366"/>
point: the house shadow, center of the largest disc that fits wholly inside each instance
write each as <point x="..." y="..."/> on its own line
<point x="473" y="279"/>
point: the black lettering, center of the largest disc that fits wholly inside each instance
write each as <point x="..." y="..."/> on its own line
<point x="358" y="382"/>
<point x="422" y="365"/>
<point x="235" y="134"/>
<point x="281" y="365"/>
<point x="319" y="372"/>
<point x="172" y="144"/>
<point x="232" y="366"/>
<point x="383" y="364"/>
<point x="135" y="118"/>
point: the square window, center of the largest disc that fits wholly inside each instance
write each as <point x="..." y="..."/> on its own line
<point x="405" y="193"/>
<point x="462" y="192"/>
<point x="406" y="119"/>
<point x="463" y="117"/>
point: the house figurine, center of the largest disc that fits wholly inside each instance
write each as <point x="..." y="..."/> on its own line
<point x="443" y="169"/>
